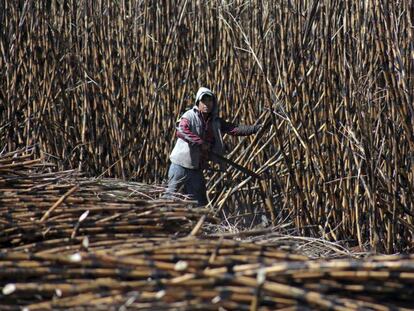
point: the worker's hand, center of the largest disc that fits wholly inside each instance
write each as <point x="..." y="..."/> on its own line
<point x="206" y="147"/>
<point x="257" y="127"/>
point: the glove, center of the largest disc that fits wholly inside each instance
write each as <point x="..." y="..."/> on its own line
<point x="206" y="147"/>
<point x="257" y="128"/>
<point x="246" y="130"/>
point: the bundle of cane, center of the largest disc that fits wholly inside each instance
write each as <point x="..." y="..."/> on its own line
<point x="44" y="209"/>
<point x="202" y="273"/>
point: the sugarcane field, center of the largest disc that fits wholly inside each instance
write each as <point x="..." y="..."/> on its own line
<point x="207" y="155"/>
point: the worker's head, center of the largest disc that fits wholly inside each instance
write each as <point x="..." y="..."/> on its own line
<point x="205" y="100"/>
<point x="206" y="103"/>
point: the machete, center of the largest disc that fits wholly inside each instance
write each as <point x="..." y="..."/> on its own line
<point x="236" y="166"/>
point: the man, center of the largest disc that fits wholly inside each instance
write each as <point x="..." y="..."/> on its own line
<point x="199" y="137"/>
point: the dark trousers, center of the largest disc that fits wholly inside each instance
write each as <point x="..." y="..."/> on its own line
<point x="192" y="180"/>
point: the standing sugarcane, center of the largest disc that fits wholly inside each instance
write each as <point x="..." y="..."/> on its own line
<point x="199" y="139"/>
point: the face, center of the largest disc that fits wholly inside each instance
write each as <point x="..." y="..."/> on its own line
<point x="206" y="104"/>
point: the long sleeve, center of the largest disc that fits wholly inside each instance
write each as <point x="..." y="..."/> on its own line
<point x="184" y="132"/>
<point x="238" y="130"/>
